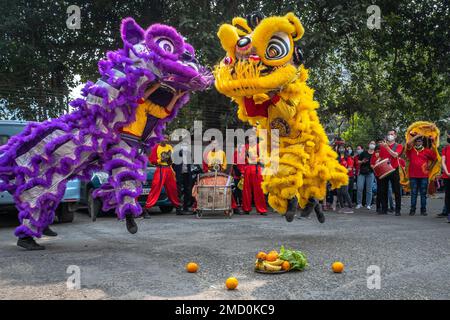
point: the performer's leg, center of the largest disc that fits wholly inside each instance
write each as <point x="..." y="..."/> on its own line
<point x="423" y="195"/>
<point x="36" y="212"/>
<point x="260" y="201"/>
<point x="155" y="190"/>
<point x="170" y="184"/>
<point x="247" y="191"/>
<point x="413" y="183"/>
<point x="384" y="187"/>
<point x="127" y="174"/>
<point x="396" y="188"/>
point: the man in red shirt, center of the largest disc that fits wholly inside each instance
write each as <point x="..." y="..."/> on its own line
<point x="446" y="173"/>
<point x="418" y="170"/>
<point x="392" y="151"/>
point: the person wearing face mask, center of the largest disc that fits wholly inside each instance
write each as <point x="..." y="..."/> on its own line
<point x="418" y="172"/>
<point x="446" y="174"/>
<point x="351" y="173"/>
<point x="365" y="177"/>
<point x="392" y="151"/>
<point x="342" y="193"/>
<point x="359" y="151"/>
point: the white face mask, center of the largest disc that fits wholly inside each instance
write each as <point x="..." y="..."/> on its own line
<point x="371" y="146"/>
<point x="359" y="151"/>
<point x="390" y="137"/>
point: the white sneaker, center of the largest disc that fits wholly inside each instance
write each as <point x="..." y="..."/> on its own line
<point x="369" y="208"/>
<point x="358" y="206"/>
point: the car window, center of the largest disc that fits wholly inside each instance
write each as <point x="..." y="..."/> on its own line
<point x="3" y="139"/>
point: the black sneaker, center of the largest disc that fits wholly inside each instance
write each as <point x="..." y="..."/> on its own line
<point x="263" y="213"/>
<point x="131" y="224"/>
<point x="441" y="215"/>
<point x="423" y="213"/>
<point x="178" y="211"/>
<point x="29" y="244"/>
<point x="237" y="211"/>
<point x="49" y="232"/>
<point x="291" y="210"/>
<point x="310" y="206"/>
<point x="398" y="214"/>
<point x="146" y="215"/>
<point x="247" y="212"/>
<point x="412" y="212"/>
<point x="319" y="213"/>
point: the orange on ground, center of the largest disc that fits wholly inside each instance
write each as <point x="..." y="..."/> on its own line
<point x="192" y="267"/>
<point x="261" y="255"/>
<point x="231" y="283"/>
<point x="337" y="267"/>
<point x="286" y="265"/>
<point x="272" y="256"/>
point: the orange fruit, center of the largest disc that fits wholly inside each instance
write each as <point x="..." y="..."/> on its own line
<point x="192" y="267"/>
<point x="261" y="255"/>
<point x="272" y="256"/>
<point x="231" y="283"/>
<point x="337" y="267"/>
<point x="286" y="265"/>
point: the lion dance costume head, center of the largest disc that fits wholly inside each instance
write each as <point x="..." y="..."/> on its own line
<point x="264" y="73"/>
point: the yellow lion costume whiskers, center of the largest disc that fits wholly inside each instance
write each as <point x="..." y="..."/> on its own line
<point x="262" y="70"/>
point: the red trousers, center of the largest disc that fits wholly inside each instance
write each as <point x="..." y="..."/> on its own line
<point x="164" y="177"/>
<point x="252" y="189"/>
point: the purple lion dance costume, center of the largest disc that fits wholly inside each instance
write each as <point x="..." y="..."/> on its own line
<point x="36" y="164"/>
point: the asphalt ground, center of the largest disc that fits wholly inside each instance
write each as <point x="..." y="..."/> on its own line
<point x="411" y="253"/>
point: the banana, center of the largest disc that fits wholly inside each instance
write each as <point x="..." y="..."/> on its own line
<point x="259" y="265"/>
<point x="277" y="262"/>
<point x="269" y="267"/>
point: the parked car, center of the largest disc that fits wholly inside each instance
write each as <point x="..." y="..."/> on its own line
<point x="94" y="205"/>
<point x="67" y="207"/>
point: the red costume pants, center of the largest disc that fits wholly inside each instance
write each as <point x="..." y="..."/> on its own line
<point x="164" y="177"/>
<point x="252" y="188"/>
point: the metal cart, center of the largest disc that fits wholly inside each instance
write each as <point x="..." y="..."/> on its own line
<point x="213" y="195"/>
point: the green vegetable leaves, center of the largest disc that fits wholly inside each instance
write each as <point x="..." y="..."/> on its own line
<point x="297" y="259"/>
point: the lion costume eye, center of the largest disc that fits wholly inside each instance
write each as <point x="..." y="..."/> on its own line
<point x="278" y="47"/>
<point x="166" y="44"/>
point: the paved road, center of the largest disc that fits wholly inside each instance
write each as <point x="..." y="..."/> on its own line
<point x="412" y="252"/>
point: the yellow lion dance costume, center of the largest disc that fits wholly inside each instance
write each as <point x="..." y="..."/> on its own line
<point x="264" y="75"/>
<point x="430" y="133"/>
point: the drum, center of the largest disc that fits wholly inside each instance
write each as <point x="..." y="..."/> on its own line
<point x="383" y="169"/>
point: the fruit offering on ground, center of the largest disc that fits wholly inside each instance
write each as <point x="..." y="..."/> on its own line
<point x="337" y="267"/>
<point x="272" y="256"/>
<point x="261" y="255"/>
<point x="192" y="267"/>
<point x="231" y="283"/>
<point x="286" y="266"/>
<point x="286" y="260"/>
<point x="297" y="259"/>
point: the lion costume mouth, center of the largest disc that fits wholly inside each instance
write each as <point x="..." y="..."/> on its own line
<point x="246" y="78"/>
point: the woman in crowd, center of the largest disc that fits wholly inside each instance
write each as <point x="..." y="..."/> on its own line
<point x="365" y="176"/>
<point x="342" y="192"/>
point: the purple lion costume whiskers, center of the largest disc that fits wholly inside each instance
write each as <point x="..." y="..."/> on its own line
<point x="36" y="164"/>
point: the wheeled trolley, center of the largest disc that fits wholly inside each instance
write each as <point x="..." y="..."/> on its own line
<point x="213" y="195"/>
